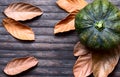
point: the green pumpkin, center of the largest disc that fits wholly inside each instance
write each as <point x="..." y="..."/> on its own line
<point x="98" y="25"/>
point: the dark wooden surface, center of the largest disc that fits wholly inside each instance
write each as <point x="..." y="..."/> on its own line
<point x="55" y="53"/>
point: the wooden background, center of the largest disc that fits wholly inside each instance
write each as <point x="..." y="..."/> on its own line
<point x="55" y="53"/>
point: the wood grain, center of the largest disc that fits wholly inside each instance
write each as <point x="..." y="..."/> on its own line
<point x="55" y="53"/>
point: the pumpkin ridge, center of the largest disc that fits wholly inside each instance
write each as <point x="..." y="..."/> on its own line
<point x="89" y="17"/>
<point x="110" y="9"/>
<point x="87" y="11"/>
<point x="100" y="4"/>
<point x="115" y="32"/>
<point x="116" y="37"/>
<point x="93" y="11"/>
<point x="81" y="35"/>
<point x="87" y="22"/>
<point x="105" y="41"/>
<point x="100" y="41"/>
<point x="116" y="27"/>
<point x="97" y="17"/>
<point x="92" y="38"/>
<point x="85" y="28"/>
<point x="104" y="15"/>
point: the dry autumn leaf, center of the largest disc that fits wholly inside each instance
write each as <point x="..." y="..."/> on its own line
<point x="72" y="6"/>
<point x="66" y="24"/>
<point x="80" y="49"/>
<point x="105" y="64"/>
<point x="19" y="65"/>
<point x="18" y="30"/>
<point x="22" y="11"/>
<point x="83" y="66"/>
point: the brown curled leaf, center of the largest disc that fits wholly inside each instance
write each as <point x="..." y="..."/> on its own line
<point x="83" y="66"/>
<point x="66" y="24"/>
<point x="19" y="65"/>
<point x="22" y="11"/>
<point x="80" y="49"/>
<point x="71" y="5"/>
<point x="18" y="30"/>
<point x="104" y="63"/>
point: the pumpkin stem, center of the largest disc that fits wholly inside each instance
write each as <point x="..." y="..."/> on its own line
<point x="99" y="25"/>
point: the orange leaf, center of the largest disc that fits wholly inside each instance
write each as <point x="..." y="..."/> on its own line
<point x="22" y="11"/>
<point x="83" y="66"/>
<point x="18" y="30"/>
<point x="71" y="5"/>
<point x="80" y="49"/>
<point x="66" y="24"/>
<point x="19" y="65"/>
<point x="104" y="63"/>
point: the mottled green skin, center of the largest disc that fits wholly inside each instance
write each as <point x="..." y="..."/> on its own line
<point x="85" y="22"/>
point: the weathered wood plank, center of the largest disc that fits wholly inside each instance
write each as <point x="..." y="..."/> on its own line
<point x="35" y="46"/>
<point x="43" y="39"/>
<point x="48" y="55"/>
